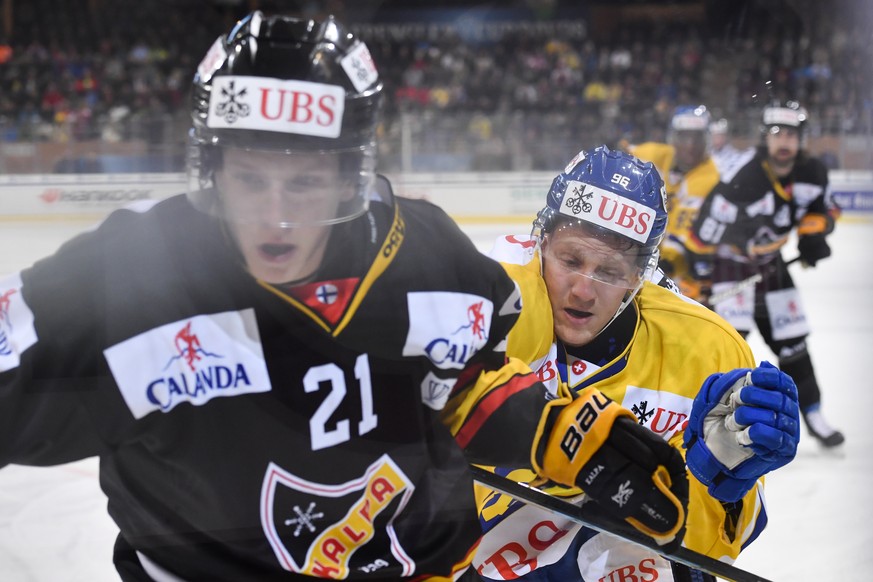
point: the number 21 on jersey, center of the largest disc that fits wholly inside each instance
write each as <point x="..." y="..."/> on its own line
<point x="323" y="437"/>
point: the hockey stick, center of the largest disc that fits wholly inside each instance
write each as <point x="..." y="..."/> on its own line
<point x="741" y="286"/>
<point x="576" y="513"/>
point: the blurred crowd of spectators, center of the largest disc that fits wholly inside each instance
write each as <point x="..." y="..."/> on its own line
<point x="78" y="70"/>
<point x="115" y="70"/>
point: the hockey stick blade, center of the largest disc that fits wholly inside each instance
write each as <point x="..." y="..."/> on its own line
<point x="575" y="513"/>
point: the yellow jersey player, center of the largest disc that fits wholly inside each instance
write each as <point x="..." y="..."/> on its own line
<point x="594" y="319"/>
<point x="689" y="174"/>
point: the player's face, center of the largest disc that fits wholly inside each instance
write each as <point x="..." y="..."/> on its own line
<point x="690" y="148"/>
<point x="587" y="279"/>
<point x="275" y="206"/>
<point x="718" y="140"/>
<point x="783" y="143"/>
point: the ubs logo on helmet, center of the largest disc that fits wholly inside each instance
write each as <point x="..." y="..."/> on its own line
<point x="282" y="106"/>
<point x="609" y="210"/>
<point x="578" y="201"/>
<point x="232" y="108"/>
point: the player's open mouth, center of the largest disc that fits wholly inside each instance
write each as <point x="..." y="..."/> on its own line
<point x="576" y="314"/>
<point x="274" y="252"/>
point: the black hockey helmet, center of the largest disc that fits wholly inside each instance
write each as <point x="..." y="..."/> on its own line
<point x="783" y="114"/>
<point x="289" y="85"/>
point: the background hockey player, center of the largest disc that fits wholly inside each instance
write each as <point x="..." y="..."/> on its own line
<point x="267" y="367"/>
<point x="689" y="174"/>
<point x="593" y="320"/>
<point x="723" y="152"/>
<point x="742" y="228"/>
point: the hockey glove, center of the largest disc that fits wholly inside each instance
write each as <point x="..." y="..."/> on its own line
<point x="598" y="446"/>
<point x="743" y="424"/>
<point x="812" y="248"/>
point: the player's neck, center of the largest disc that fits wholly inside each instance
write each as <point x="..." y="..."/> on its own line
<point x="611" y="341"/>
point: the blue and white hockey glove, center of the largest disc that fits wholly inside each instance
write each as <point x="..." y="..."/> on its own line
<point x="744" y="424"/>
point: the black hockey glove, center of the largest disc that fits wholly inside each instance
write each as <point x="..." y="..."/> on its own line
<point x="812" y="248"/>
<point x="633" y="474"/>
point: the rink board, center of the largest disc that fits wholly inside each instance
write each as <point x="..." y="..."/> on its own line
<point x="468" y="197"/>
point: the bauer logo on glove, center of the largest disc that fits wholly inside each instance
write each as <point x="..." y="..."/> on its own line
<point x="588" y="414"/>
<point x="629" y="471"/>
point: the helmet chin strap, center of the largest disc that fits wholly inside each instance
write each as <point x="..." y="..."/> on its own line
<point x="628" y="298"/>
<point x="651" y="265"/>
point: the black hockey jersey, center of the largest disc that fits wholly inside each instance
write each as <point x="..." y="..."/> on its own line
<point x="749" y="216"/>
<point x="248" y="432"/>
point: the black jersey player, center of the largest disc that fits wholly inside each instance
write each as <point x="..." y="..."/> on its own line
<point x="743" y="225"/>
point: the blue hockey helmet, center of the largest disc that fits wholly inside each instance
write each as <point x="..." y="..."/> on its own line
<point x="690" y="118"/>
<point x="614" y="194"/>
<point x="617" y="199"/>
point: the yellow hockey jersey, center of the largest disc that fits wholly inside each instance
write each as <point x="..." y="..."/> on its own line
<point x="676" y="345"/>
<point x="685" y="195"/>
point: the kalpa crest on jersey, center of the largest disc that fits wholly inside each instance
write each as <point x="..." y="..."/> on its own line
<point x="193" y="361"/>
<point x="326" y="530"/>
<point x="448" y="328"/>
<point x="16" y="323"/>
